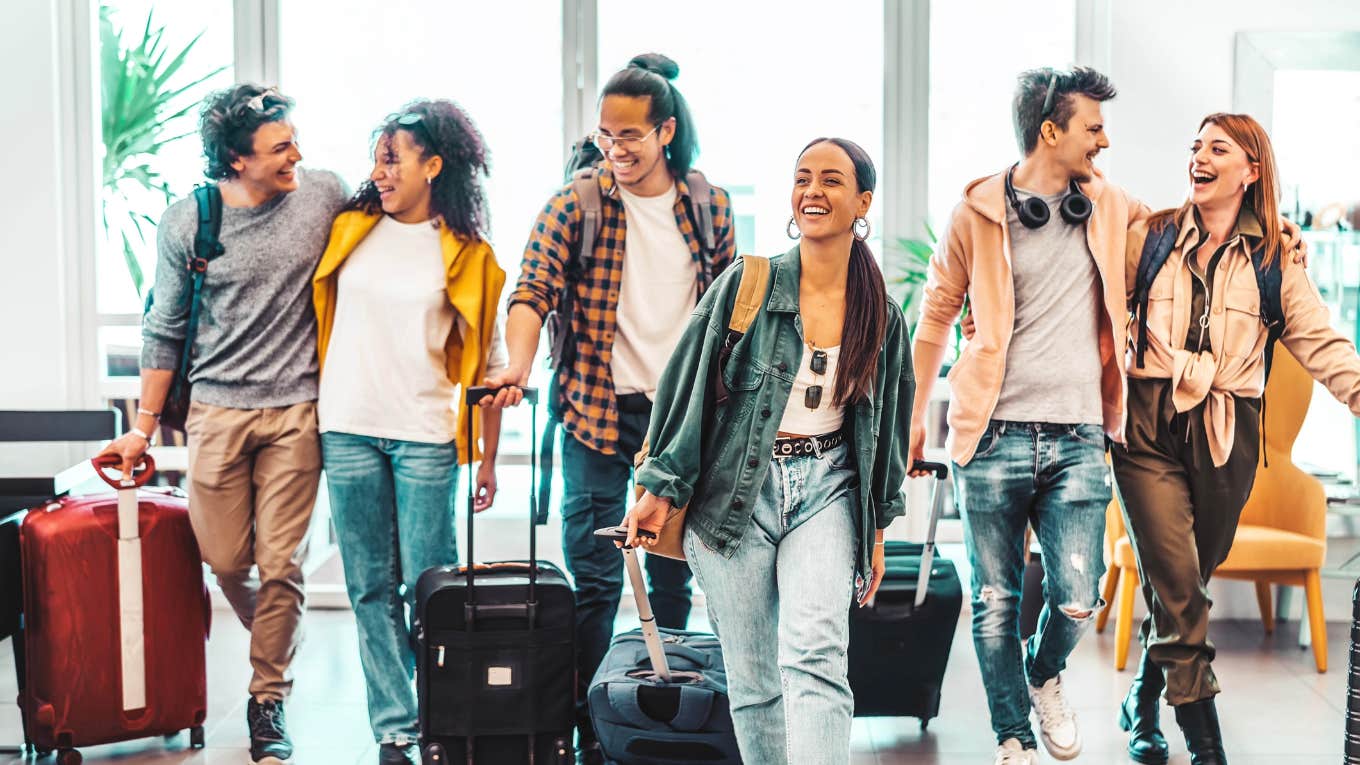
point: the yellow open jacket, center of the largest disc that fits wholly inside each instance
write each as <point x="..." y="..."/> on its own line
<point x="474" y="283"/>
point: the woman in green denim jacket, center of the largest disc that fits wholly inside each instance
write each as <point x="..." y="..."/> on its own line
<point x="792" y="479"/>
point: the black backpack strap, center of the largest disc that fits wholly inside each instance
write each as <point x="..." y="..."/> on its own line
<point x="1156" y="249"/>
<point x="701" y="212"/>
<point x="1268" y="279"/>
<point x="586" y="186"/>
<point x="206" y="248"/>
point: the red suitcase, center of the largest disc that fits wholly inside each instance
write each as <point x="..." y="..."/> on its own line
<point x="116" y="618"/>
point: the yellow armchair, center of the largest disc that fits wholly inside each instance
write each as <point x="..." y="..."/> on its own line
<point x="1281" y="538"/>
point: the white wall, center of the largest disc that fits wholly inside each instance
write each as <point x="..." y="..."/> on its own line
<point x="1172" y="61"/>
<point x="33" y="312"/>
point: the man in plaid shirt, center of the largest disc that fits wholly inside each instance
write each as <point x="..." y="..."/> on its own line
<point x="632" y="302"/>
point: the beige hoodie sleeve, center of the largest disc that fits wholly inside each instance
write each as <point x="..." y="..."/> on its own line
<point x="946" y="283"/>
<point x="1328" y="356"/>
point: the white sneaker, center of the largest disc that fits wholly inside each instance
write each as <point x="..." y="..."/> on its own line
<point x="1057" y="723"/>
<point x="1011" y="753"/>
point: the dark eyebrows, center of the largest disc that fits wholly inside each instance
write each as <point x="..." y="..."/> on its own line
<point x="827" y="171"/>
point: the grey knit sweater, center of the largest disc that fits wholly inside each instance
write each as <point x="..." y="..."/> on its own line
<point x="256" y="340"/>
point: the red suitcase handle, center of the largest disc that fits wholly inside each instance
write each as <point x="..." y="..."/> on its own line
<point x="141" y="473"/>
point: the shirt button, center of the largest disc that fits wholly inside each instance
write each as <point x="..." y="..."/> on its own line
<point x="1218" y="309"/>
<point x="752" y="462"/>
<point x="736" y="503"/>
<point x="783" y="367"/>
<point x="764" y="412"/>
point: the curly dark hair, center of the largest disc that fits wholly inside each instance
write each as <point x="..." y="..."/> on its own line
<point x="1031" y="93"/>
<point x="228" y="121"/>
<point x="457" y="194"/>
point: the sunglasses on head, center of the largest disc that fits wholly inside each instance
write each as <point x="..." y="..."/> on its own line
<point x="267" y="101"/>
<point x="415" y="123"/>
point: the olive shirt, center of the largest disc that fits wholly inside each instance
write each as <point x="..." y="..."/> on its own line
<point x="714" y="458"/>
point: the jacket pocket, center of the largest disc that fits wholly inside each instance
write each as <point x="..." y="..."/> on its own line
<point x="974" y="384"/>
<point x="1242" y="325"/>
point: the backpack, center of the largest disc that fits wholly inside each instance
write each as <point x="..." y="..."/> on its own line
<point x="755" y="279"/>
<point x="1157" y="248"/>
<point x="206" y="247"/>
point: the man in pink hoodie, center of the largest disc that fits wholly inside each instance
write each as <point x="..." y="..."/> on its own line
<point x="1038" y="251"/>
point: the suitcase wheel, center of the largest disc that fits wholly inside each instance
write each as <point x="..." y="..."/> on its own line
<point x="196" y="737"/>
<point x="68" y="757"/>
<point x="925" y="722"/>
<point x="566" y="755"/>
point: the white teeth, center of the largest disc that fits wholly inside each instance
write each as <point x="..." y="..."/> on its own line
<point x="815" y="211"/>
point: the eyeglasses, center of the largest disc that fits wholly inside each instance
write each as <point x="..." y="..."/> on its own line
<point x="812" y="398"/>
<point x="605" y="142"/>
<point x="415" y="123"/>
<point x="1048" y="97"/>
<point x="267" y="101"/>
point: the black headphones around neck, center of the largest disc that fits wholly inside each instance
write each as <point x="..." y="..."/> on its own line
<point x="1033" y="211"/>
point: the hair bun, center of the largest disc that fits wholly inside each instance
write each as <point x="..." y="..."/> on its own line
<point x="656" y="63"/>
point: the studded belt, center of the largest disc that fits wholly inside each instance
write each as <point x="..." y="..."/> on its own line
<point x="801" y="447"/>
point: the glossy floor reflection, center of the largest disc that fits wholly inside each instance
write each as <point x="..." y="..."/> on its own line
<point x="1276" y="708"/>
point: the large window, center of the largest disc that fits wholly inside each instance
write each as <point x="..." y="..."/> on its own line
<point x="976" y="51"/>
<point x="819" y="71"/>
<point x="152" y="108"/>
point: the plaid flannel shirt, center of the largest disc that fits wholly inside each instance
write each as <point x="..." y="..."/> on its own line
<point x="588" y="407"/>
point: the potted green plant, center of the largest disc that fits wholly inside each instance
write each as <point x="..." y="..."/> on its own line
<point x="906" y="278"/>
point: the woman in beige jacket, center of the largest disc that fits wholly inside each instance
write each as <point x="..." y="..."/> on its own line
<point x="1196" y="367"/>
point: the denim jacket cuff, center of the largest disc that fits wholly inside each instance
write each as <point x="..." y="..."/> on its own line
<point x="660" y="480"/>
<point x="888" y="511"/>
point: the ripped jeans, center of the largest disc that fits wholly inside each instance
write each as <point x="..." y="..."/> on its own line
<point x="1055" y="476"/>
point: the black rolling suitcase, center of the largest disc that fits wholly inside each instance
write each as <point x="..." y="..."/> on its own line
<point x="899" y="646"/>
<point x="660" y="695"/>
<point x="496" y="654"/>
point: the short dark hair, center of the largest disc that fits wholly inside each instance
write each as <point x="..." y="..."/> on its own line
<point x="1032" y="92"/>
<point x="228" y="122"/>
<point x="457" y="194"/>
<point x="651" y="76"/>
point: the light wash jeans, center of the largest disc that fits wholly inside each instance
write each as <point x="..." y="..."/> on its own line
<point x="780" y="606"/>
<point x="1055" y="475"/>
<point x="393" y="504"/>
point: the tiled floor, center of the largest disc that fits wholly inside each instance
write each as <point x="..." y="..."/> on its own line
<point x="1276" y="708"/>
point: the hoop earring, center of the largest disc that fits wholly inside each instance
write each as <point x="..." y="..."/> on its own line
<point x="854" y="229"/>
<point x="792" y="228"/>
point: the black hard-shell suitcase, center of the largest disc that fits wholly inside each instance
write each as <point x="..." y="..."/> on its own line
<point x="496" y="654"/>
<point x="660" y="696"/>
<point x="899" y="646"/>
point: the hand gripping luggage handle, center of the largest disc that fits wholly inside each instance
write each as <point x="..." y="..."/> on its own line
<point x="141" y="473"/>
<point x="471" y="610"/>
<point x="650" y="636"/>
<point x="941" y="472"/>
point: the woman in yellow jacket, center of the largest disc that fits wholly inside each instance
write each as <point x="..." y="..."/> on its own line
<point x="1196" y="367"/>
<point x="406" y="298"/>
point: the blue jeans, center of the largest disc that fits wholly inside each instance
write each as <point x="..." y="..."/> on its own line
<point x="781" y="604"/>
<point x="1054" y="476"/>
<point x="595" y="495"/>
<point x="393" y="504"/>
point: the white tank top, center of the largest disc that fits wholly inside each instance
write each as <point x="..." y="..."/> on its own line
<point x="827" y="417"/>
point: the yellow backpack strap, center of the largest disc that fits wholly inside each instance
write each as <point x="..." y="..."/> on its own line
<point x="755" y="276"/>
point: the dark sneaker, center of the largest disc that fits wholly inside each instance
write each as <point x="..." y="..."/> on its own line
<point x="392" y="754"/>
<point x="269" y="742"/>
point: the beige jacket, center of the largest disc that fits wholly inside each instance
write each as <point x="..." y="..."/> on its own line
<point x="1234" y="365"/>
<point x="974" y="261"/>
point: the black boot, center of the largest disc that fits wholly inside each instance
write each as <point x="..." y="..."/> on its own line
<point x="1199" y="722"/>
<point x="1139" y="715"/>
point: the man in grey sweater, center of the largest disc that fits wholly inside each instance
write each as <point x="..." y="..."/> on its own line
<point x="254" y="452"/>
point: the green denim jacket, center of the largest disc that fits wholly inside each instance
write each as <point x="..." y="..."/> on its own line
<point x="714" y="459"/>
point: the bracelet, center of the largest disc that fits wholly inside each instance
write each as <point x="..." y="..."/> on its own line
<point x="139" y="432"/>
<point x="140" y="410"/>
<point x="879" y="544"/>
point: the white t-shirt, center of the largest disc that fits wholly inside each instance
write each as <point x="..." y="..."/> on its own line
<point x="827" y="417"/>
<point x="386" y="373"/>
<point x="658" y="292"/>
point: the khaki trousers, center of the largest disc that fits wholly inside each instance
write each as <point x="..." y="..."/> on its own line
<point x="252" y="485"/>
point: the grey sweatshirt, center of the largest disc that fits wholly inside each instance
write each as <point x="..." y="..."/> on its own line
<point x="256" y="340"/>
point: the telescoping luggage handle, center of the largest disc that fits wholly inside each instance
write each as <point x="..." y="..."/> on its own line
<point x="941" y="472"/>
<point x="526" y="609"/>
<point x="131" y="614"/>
<point x="650" y="636"/>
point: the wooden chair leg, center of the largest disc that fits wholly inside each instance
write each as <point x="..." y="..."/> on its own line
<point x="1111" y="587"/>
<point x="1317" y="621"/>
<point x="1123" y="626"/>
<point x="1263" y="603"/>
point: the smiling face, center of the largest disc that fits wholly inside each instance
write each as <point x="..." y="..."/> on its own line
<point x="400" y="174"/>
<point x="1076" y="147"/>
<point x="1219" y="168"/>
<point x="641" y="155"/>
<point x="826" y="199"/>
<point x="270" y="168"/>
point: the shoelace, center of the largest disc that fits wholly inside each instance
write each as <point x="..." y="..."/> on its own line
<point x="269" y="724"/>
<point x="1052" y="707"/>
<point x="1013" y="757"/>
